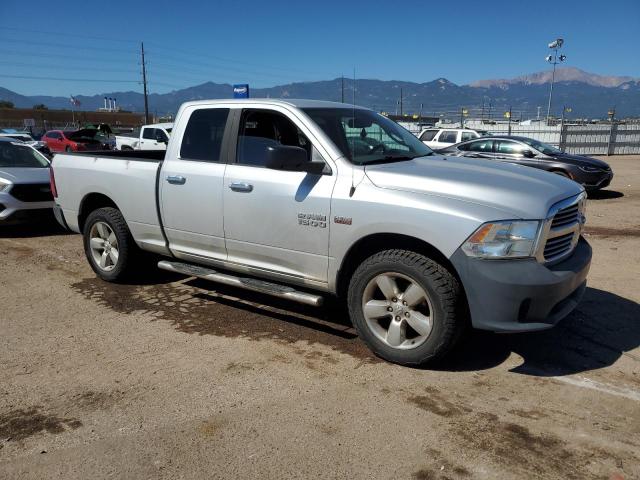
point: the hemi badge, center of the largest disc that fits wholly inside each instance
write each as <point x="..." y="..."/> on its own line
<point x="343" y="220"/>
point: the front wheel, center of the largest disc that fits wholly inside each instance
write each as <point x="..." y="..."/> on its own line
<point x="405" y="306"/>
<point x="108" y="244"/>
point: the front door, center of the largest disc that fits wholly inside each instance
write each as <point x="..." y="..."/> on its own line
<point x="191" y="184"/>
<point x="276" y="220"/>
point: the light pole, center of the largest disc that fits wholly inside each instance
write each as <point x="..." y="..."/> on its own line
<point x="554" y="60"/>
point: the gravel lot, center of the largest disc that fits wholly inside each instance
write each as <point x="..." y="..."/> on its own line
<point x="177" y="378"/>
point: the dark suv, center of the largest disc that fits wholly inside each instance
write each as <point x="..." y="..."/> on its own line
<point x="594" y="174"/>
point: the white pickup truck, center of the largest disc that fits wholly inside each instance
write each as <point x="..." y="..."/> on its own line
<point x="301" y="199"/>
<point x="150" y="137"/>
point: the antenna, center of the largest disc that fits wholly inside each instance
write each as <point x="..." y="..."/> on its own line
<point x="352" y="190"/>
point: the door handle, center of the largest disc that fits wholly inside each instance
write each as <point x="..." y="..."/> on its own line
<point x="241" y="187"/>
<point x="176" y="179"/>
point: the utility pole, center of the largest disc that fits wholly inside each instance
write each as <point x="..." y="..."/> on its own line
<point x="342" y="88"/>
<point x="420" y="115"/>
<point x="144" y="83"/>
<point x="400" y="101"/>
<point x="554" y="59"/>
<point x="509" y="119"/>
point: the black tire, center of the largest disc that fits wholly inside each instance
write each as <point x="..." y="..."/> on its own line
<point x="445" y="301"/>
<point x="127" y="249"/>
<point x="68" y="149"/>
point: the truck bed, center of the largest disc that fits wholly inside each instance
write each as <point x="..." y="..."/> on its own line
<point x="128" y="178"/>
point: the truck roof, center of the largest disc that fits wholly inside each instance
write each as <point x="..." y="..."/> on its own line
<point x="299" y="103"/>
<point x="160" y="125"/>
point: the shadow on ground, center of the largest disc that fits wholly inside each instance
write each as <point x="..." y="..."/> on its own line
<point x="604" y="327"/>
<point x="41" y="227"/>
<point x="604" y="194"/>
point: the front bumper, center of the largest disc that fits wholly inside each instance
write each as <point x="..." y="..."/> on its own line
<point x="12" y="209"/>
<point x="596" y="180"/>
<point x="522" y="295"/>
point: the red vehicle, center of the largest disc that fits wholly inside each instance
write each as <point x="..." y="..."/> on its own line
<point x="74" y="141"/>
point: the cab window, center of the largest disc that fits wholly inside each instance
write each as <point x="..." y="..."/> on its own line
<point x="448" y="136"/>
<point x="260" y="129"/>
<point x="203" y="135"/>
<point x="468" y="136"/>
<point x="428" y="135"/>
<point x="149" y="133"/>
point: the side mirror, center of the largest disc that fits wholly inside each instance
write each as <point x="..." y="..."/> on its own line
<point x="160" y="138"/>
<point x="528" y="153"/>
<point x="291" y="159"/>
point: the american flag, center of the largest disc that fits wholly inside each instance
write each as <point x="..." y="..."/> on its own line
<point x="74" y="101"/>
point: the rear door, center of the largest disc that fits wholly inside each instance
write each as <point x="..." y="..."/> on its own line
<point x="191" y="183"/>
<point x="276" y="220"/>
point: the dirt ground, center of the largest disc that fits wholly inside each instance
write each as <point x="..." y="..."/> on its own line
<point x="176" y="378"/>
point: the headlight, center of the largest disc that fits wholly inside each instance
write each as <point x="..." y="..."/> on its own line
<point x="590" y="169"/>
<point x="508" y="239"/>
<point x="4" y="184"/>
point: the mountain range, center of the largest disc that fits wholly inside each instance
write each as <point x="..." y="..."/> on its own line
<point x="588" y="95"/>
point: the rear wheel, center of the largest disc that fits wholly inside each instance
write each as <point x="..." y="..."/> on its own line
<point x="405" y="306"/>
<point x="108" y="244"/>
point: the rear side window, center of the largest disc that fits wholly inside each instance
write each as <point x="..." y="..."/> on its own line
<point x="428" y="135"/>
<point x="448" y="136"/>
<point x="202" y="138"/>
<point x="468" y="136"/>
<point x="509" y="147"/>
<point x="485" y="146"/>
<point x="149" y="133"/>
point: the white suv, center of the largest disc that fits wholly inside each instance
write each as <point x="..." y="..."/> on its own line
<point x="436" y="138"/>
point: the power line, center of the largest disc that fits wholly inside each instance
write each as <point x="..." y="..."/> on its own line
<point x="65" y="45"/>
<point x="64" y="34"/>
<point x="29" y="77"/>
<point x="68" y="67"/>
<point x="58" y="55"/>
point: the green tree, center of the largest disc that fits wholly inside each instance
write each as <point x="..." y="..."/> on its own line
<point x="6" y="104"/>
<point x="40" y="106"/>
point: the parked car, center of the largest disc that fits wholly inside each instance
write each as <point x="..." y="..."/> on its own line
<point x="436" y="138"/>
<point x="76" y="141"/>
<point x="28" y="139"/>
<point x="592" y="173"/>
<point x="24" y="182"/>
<point x="273" y="196"/>
<point x="150" y="137"/>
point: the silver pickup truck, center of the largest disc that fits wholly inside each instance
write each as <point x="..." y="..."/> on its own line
<point x="301" y="199"/>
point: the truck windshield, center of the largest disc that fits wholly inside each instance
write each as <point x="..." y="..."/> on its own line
<point x="13" y="155"/>
<point x="365" y="137"/>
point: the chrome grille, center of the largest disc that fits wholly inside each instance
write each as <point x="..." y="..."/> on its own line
<point x="566" y="216"/>
<point x="558" y="246"/>
<point x="562" y="229"/>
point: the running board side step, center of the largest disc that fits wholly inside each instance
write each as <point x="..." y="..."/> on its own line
<point x="252" y="284"/>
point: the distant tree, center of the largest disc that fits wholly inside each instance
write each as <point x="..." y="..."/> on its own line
<point x="40" y="106"/>
<point x="6" y="104"/>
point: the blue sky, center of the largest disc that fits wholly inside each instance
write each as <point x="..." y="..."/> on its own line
<point x="92" y="47"/>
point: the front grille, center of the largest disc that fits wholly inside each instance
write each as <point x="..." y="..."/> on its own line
<point x="558" y="246"/>
<point x="563" y="231"/>
<point x="32" y="192"/>
<point x="566" y="216"/>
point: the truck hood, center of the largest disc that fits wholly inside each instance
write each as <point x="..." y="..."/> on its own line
<point x="25" y="175"/>
<point x="524" y="192"/>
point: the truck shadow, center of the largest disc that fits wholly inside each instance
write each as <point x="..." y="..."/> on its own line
<point x="43" y="227"/>
<point x="604" y="327"/>
<point x="604" y="194"/>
